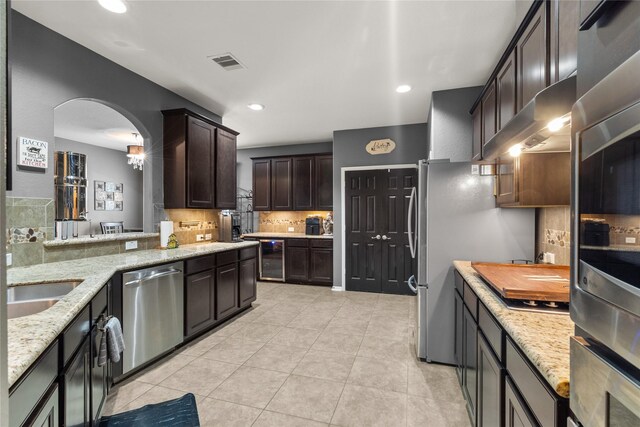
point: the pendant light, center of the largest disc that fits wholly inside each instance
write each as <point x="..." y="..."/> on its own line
<point x="135" y="153"/>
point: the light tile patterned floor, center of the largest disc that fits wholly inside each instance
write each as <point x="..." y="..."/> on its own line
<point x="306" y="356"/>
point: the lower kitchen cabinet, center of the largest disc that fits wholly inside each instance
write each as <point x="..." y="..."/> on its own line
<point x="309" y="261"/>
<point x="77" y="388"/>
<point x="470" y="362"/>
<point x="296" y="262"/>
<point x="321" y="265"/>
<point x="516" y="413"/>
<point x="458" y="314"/>
<point x="247" y="271"/>
<point x="200" y="301"/>
<point x="490" y="386"/>
<point x="226" y="290"/>
<point x="49" y="415"/>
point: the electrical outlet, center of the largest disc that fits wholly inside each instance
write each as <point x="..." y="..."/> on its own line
<point x="475" y="170"/>
<point x="631" y="240"/>
<point x="290" y="229"/>
<point x="549" y="258"/>
<point x="130" y="245"/>
<point x="208" y="236"/>
<point x="199" y="237"/>
<point x="9" y="259"/>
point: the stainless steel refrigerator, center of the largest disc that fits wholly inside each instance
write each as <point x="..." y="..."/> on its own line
<point x="453" y="217"/>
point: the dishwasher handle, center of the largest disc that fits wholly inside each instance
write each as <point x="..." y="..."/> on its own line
<point x="153" y="276"/>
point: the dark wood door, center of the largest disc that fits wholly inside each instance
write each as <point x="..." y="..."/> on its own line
<point x="531" y="55"/>
<point x="247" y="273"/>
<point x="303" y="183"/>
<point x="506" y="91"/>
<point x="321" y="265"/>
<point x="226" y="290"/>
<point x="262" y="185"/>
<point x="470" y="363"/>
<point x="476" y="118"/>
<point x="200" y="163"/>
<point x="99" y="378"/>
<point x="563" y="49"/>
<point x="490" y="386"/>
<point x="458" y="312"/>
<point x="281" y="185"/>
<point x="200" y="301"/>
<point x="489" y="113"/>
<point x="377" y="255"/>
<point x="506" y="175"/>
<point x="297" y="263"/>
<point x="324" y="183"/>
<point x="77" y="388"/>
<point x="225" y="170"/>
<point x="516" y="413"/>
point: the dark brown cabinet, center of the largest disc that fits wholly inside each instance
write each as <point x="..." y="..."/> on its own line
<point x="48" y="415"/>
<point x="247" y="272"/>
<point x="199" y="158"/>
<point x="490" y="386"/>
<point x="476" y="147"/>
<point x="200" y="301"/>
<point x="506" y="91"/>
<point x="262" y="185"/>
<point x="540" y="179"/>
<point x="563" y="39"/>
<point x="77" y="388"/>
<point x="531" y="54"/>
<point x="321" y="261"/>
<point x="458" y="314"/>
<point x="226" y="290"/>
<point x="470" y="362"/>
<point x="303" y="183"/>
<point x="309" y="261"/>
<point x="299" y="183"/>
<point x="516" y="413"/>
<point x="296" y="263"/>
<point x="489" y="113"/>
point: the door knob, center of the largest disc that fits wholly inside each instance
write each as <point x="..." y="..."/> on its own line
<point x="376" y="237"/>
<point x="384" y="237"/>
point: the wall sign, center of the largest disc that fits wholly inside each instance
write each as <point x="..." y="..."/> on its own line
<point x="33" y="153"/>
<point x="381" y="146"/>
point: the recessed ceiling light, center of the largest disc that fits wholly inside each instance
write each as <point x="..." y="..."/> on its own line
<point x="403" y="88"/>
<point x="115" y="6"/>
<point x="256" y="107"/>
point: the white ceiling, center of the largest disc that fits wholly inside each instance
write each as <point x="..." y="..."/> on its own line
<point x="93" y="123"/>
<point x="317" y="66"/>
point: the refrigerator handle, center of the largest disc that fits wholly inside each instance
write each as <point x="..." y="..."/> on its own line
<point x="412" y="242"/>
<point x="411" y="282"/>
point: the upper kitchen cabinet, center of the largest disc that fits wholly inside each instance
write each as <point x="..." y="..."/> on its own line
<point x="199" y="162"/>
<point x="531" y="53"/>
<point x="476" y="118"/>
<point x="293" y="183"/>
<point x="489" y="113"/>
<point x="563" y="39"/>
<point x="506" y="91"/>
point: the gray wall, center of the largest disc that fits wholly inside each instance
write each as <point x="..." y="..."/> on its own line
<point x="104" y="164"/>
<point x="450" y="130"/>
<point x="349" y="150"/>
<point x="245" y="171"/>
<point x="49" y="69"/>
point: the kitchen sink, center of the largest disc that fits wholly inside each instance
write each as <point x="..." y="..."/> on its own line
<point x="31" y="299"/>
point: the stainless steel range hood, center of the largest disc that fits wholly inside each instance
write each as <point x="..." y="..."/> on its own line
<point x="529" y="126"/>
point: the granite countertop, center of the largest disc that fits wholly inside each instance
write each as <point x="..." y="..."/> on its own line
<point x="98" y="238"/>
<point x="543" y="337"/>
<point x="29" y="336"/>
<point x="288" y="235"/>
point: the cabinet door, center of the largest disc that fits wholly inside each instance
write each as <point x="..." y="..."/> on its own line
<point x="200" y="166"/>
<point x="516" y="413"/>
<point x="506" y="175"/>
<point x="476" y="119"/>
<point x="200" y="299"/>
<point x="490" y="386"/>
<point x="303" y="183"/>
<point x="563" y="46"/>
<point x="48" y="415"/>
<point x="226" y="290"/>
<point x="297" y="263"/>
<point x="470" y="363"/>
<point x="247" y="271"/>
<point x="324" y="183"/>
<point x="321" y="265"/>
<point x="225" y="170"/>
<point x="489" y="113"/>
<point x="281" y="185"/>
<point x="77" y="388"/>
<point x="532" y="59"/>
<point x="544" y="179"/>
<point x="262" y="185"/>
<point x="506" y="91"/>
<point x="458" y="310"/>
<point x="99" y="378"/>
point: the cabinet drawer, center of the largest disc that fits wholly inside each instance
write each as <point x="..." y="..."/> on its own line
<point x="321" y="243"/>
<point x="538" y="398"/>
<point x="491" y="330"/>
<point x="196" y="265"/>
<point x="301" y="243"/>
<point x="248" y="253"/>
<point x="471" y="301"/>
<point x="224" y="258"/>
<point x="99" y="304"/>
<point x="459" y="282"/>
<point x="26" y="395"/>
<point x="74" y="334"/>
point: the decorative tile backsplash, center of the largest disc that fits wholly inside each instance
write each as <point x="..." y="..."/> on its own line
<point x="279" y="222"/>
<point x="26" y="235"/>
<point x="188" y="223"/>
<point x="553" y="233"/>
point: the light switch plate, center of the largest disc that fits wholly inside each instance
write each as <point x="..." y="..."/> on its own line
<point x="130" y="245"/>
<point x="629" y="239"/>
<point x="199" y="237"/>
<point x="475" y="170"/>
<point x="290" y="229"/>
<point x="208" y="236"/>
<point x="9" y="259"/>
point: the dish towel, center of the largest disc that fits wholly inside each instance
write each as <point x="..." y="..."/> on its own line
<point x="111" y="342"/>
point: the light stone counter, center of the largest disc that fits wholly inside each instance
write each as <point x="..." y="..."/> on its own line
<point x="543" y="337"/>
<point x="29" y="336"/>
<point x="98" y="238"/>
<point x="266" y="234"/>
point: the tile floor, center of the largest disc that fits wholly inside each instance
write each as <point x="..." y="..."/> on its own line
<point x="306" y="356"/>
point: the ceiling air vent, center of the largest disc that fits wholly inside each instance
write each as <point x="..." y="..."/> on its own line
<point x="227" y="61"/>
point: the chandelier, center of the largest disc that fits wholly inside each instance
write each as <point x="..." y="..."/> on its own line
<point x="135" y="153"/>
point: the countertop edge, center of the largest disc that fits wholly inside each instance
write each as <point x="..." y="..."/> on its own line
<point x="517" y="323"/>
<point x="275" y="235"/>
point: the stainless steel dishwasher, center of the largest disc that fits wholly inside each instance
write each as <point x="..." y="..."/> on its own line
<point x="152" y="313"/>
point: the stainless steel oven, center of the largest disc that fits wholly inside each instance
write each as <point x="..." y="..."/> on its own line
<point x="605" y="276"/>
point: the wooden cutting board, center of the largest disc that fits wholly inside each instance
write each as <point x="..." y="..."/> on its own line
<point x="540" y="282"/>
